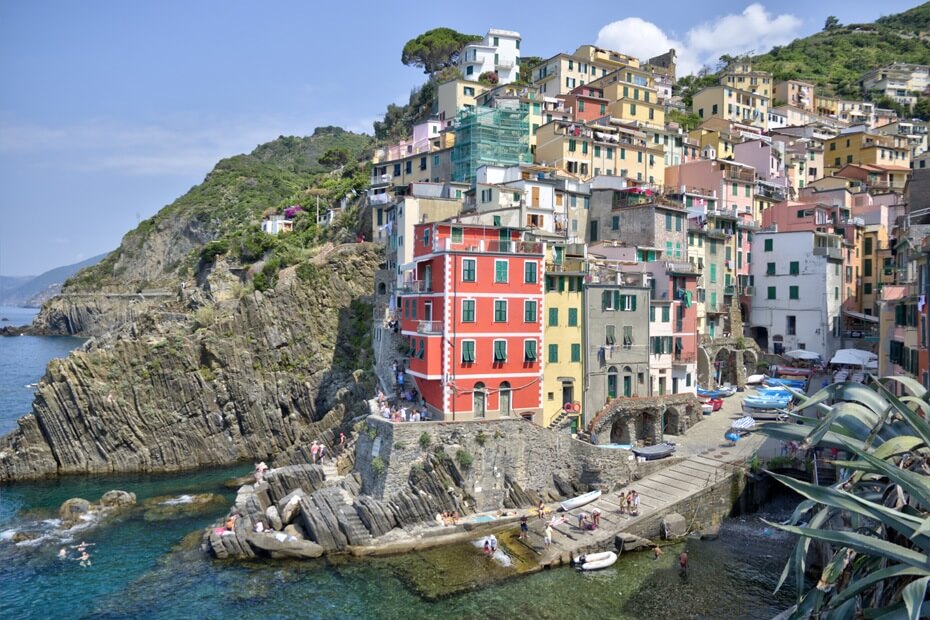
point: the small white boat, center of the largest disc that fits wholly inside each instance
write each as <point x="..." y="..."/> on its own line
<point x="581" y="500"/>
<point x="595" y="561"/>
<point x="707" y="409"/>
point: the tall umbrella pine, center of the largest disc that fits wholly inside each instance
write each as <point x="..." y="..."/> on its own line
<point x="875" y="520"/>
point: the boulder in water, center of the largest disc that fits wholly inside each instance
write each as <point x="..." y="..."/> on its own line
<point x="73" y="509"/>
<point x="166" y="508"/>
<point x="674" y="526"/>
<point x="118" y="499"/>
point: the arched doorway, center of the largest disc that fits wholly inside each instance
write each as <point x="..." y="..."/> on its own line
<point x="724" y="369"/>
<point x="612" y="383"/>
<point x="479" y="401"/>
<point x="627" y="381"/>
<point x="504" y="396"/>
<point x="671" y="421"/>
<point x="620" y="431"/>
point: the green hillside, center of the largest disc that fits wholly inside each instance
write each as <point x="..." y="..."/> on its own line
<point x="835" y="58"/>
<point x="230" y="202"/>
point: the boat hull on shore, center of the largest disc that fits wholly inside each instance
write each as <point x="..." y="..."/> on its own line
<point x="581" y="500"/>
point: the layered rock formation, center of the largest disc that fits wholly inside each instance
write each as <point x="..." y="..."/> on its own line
<point x="195" y="382"/>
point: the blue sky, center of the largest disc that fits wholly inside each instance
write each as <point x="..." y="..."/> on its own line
<point x="110" y="110"/>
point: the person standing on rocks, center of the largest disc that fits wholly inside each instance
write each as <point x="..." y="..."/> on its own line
<point x="683" y="562"/>
<point x="547" y="539"/>
<point x="314" y="451"/>
<point x="524" y="528"/>
<point x="321" y="453"/>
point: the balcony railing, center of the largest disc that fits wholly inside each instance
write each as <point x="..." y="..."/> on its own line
<point x="380" y="180"/>
<point x="494" y="246"/>
<point x="684" y="358"/>
<point x="429" y="327"/>
<point x="567" y="266"/>
<point x="417" y="286"/>
<point x="831" y="253"/>
<point x="379" y="199"/>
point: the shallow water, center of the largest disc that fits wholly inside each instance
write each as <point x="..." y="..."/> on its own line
<point x="138" y="569"/>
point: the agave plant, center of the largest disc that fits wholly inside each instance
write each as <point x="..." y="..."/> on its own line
<point x="876" y="519"/>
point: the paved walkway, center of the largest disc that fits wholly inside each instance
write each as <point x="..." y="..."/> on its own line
<point x="708" y="460"/>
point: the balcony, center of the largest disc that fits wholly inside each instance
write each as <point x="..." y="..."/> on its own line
<point x="830" y="253"/>
<point x="492" y="246"/>
<point x="379" y="199"/>
<point x="739" y="174"/>
<point x="429" y="327"/>
<point x="730" y="290"/>
<point x="684" y="358"/>
<point x="568" y="265"/>
<point x="380" y="180"/>
<point x="416" y="286"/>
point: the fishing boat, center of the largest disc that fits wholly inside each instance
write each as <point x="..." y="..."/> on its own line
<point x="658" y="451"/>
<point x="765" y="403"/>
<point x="744" y="424"/>
<point x="726" y="390"/>
<point x="797" y="384"/>
<point x="702" y="393"/>
<point x="755" y="379"/>
<point x="595" y="561"/>
<point x="707" y="408"/>
<point x="581" y="500"/>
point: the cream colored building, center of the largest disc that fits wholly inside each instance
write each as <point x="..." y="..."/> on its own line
<point x="733" y="104"/>
<point x="590" y="150"/>
<point x="453" y="96"/>
<point x="796" y="94"/>
<point x="563" y="72"/>
<point x="740" y="75"/>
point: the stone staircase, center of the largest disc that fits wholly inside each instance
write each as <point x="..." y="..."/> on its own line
<point x="352" y="526"/>
<point x="332" y="473"/>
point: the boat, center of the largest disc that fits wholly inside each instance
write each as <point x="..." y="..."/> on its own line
<point x="744" y="424"/>
<point x="797" y="384"/>
<point x="765" y="403"/>
<point x="726" y="391"/>
<point x="775" y="415"/>
<point x="658" y="451"/>
<point x="702" y="393"/>
<point x="595" y="561"/>
<point x="755" y="379"/>
<point x="707" y="408"/>
<point x="581" y="500"/>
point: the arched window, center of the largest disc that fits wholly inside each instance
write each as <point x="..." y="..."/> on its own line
<point x="505" y="399"/>
<point x="612" y="382"/>
<point x="478" y="397"/>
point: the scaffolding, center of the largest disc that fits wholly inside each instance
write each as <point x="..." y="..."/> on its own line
<point x="498" y="136"/>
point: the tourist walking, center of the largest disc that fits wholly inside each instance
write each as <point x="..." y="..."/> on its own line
<point x="547" y="539"/>
<point x="314" y="451"/>
<point x="493" y="544"/>
<point x="321" y="453"/>
<point x="683" y="561"/>
<point x="342" y="442"/>
<point x="524" y="528"/>
<point x="635" y="503"/>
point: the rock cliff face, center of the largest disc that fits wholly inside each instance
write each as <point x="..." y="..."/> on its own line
<point x="204" y="376"/>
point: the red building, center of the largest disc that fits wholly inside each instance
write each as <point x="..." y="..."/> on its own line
<point x="586" y="102"/>
<point x="471" y="312"/>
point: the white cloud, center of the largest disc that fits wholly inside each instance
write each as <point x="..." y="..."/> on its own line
<point x="755" y="29"/>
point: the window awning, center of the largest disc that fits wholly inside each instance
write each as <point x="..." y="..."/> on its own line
<point x="861" y="317"/>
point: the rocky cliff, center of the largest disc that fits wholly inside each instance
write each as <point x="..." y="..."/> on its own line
<point x="208" y="374"/>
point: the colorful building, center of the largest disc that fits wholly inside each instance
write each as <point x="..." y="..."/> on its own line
<point x="498" y="52"/>
<point x="497" y="136"/>
<point x="472" y="317"/>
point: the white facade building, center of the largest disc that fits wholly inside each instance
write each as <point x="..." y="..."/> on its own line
<point x="798" y="278"/>
<point x="499" y="51"/>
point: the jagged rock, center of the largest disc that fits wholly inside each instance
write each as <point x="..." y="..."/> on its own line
<point x="165" y="508"/>
<point x="318" y="516"/>
<point x="289" y="505"/>
<point x="284" y="480"/>
<point x="630" y="542"/>
<point x="377" y="516"/>
<point x="72" y="509"/>
<point x="118" y="499"/>
<point x="157" y="391"/>
<point x="291" y="547"/>
<point x="19" y="537"/>
<point x="274" y="519"/>
<point x="294" y="530"/>
<point x="674" y="526"/>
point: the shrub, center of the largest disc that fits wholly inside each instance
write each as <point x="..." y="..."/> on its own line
<point x="213" y="249"/>
<point x="425" y="440"/>
<point x="204" y="316"/>
<point x="372" y="432"/>
<point x="440" y="453"/>
<point x="400" y="445"/>
<point x="481" y="438"/>
<point x="464" y="459"/>
<point x="377" y="465"/>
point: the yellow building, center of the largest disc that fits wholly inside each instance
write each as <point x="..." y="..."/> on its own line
<point x="734" y="104"/>
<point x="589" y="150"/>
<point x="633" y="95"/>
<point x="877" y="268"/>
<point x="563" y="369"/>
<point x="891" y="153"/>
<point x="739" y="75"/>
<point x="453" y="96"/>
<point x="564" y="72"/>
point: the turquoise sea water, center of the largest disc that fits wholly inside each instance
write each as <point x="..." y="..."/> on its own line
<point x="153" y="570"/>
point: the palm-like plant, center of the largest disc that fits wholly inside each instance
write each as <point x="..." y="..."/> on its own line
<point x="876" y="519"/>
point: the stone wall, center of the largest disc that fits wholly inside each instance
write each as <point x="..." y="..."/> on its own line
<point x="505" y="454"/>
<point x="645" y="418"/>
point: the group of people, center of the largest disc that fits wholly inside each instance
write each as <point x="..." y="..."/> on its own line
<point x="592" y="522"/>
<point x="83" y="551"/>
<point x="447" y="518"/>
<point x="629" y="503"/>
<point x="318" y="452"/>
<point x="404" y="414"/>
<point x="490" y="545"/>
